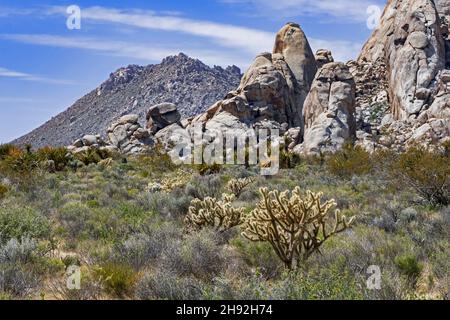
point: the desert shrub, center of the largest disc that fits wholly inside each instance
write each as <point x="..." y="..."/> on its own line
<point x="198" y="255"/>
<point x="141" y="249"/>
<point x="156" y="161"/>
<point x="318" y="284"/>
<point x="93" y="156"/>
<point x="427" y="172"/>
<point x="19" y="222"/>
<point x="133" y="214"/>
<point x="18" y="161"/>
<point x="409" y="266"/>
<point x="17" y="252"/>
<point x="259" y="255"/>
<point x="5" y="150"/>
<point x="289" y="160"/>
<point x="208" y="169"/>
<point x="350" y="160"/>
<point x="117" y="279"/>
<point x="446" y="148"/>
<point x="90" y="287"/>
<point x="204" y="186"/>
<point x="169" y="205"/>
<point x="57" y="155"/>
<point x="73" y="218"/>
<point x="3" y="190"/>
<point x="17" y="280"/>
<point x="168" y="286"/>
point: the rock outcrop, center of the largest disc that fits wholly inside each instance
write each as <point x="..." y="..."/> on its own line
<point x="274" y="87"/>
<point x="329" y="110"/>
<point x="323" y="57"/>
<point x="128" y="136"/>
<point x="89" y="142"/>
<point x="161" y="116"/>
<point x="409" y="41"/>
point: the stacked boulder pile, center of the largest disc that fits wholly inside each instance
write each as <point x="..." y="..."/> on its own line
<point x="395" y="95"/>
<point x="89" y="142"/>
<point x="128" y="136"/>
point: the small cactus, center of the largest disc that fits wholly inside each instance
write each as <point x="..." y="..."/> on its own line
<point x="236" y="186"/>
<point x="219" y="214"/>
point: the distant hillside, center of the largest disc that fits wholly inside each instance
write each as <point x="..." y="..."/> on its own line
<point x="186" y="82"/>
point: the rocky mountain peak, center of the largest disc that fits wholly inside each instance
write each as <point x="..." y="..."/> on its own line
<point x="189" y="83"/>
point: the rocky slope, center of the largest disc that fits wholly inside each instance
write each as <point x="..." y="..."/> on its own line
<point x="186" y="82"/>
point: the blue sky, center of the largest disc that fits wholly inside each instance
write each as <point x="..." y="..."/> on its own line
<point x="45" y="67"/>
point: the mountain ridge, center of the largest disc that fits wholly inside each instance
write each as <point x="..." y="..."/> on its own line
<point x="189" y="83"/>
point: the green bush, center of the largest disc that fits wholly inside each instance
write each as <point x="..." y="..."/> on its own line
<point x="3" y="190"/>
<point x="21" y="162"/>
<point x="427" y="172"/>
<point x="349" y="161"/>
<point x="6" y="149"/>
<point x="167" y="286"/>
<point x="198" y="255"/>
<point x="409" y="266"/>
<point x="18" y="222"/>
<point x="259" y="255"/>
<point x="57" y="155"/>
<point x="93" y="156"/>
<point x="118" y="280"/>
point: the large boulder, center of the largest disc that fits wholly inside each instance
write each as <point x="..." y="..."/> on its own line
<point x="329" y="111"/>
<point x="409" y="40"/>
<point x="292" y="44"/>
<point x="161" y="116"/>
<point x="323" y="57"/>
<point x="127" y="135"/>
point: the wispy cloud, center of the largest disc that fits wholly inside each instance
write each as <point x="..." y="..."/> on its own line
<point x="6" y="73"/>
<point x="347" y="10"/>
<point x="225" y="35"/>
<point x="149" y="53"/>
<point x="247" y="40"/>
<point x="228" y="44"/>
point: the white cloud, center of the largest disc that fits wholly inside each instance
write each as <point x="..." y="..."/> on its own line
<point x="248" y="40"/>
<point x="350" y="10"/>
<point x="231" y="44"/>
<point x="148" y="53"/>
<point x="6" y="73"/>
<point x="226" y="35"/>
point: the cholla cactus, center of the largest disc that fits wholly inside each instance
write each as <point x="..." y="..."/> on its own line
<point x="180" y="179"/>
<point x="237" y="185"/>
<point x="295" y="226"/>
<point x="219" y="214"/>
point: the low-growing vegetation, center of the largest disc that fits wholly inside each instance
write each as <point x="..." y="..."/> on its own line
<point x="144" y="228"/>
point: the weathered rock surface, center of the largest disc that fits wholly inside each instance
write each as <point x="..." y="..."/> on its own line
<point x="323" y="57"/>
<point x="89" y="142"/>
<point x="161" y="116"/>
<point x="329" y="111"/>
<point x="410" y="42"/>
<point x="274" y="87"/>
<point x="127" y="135"/>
